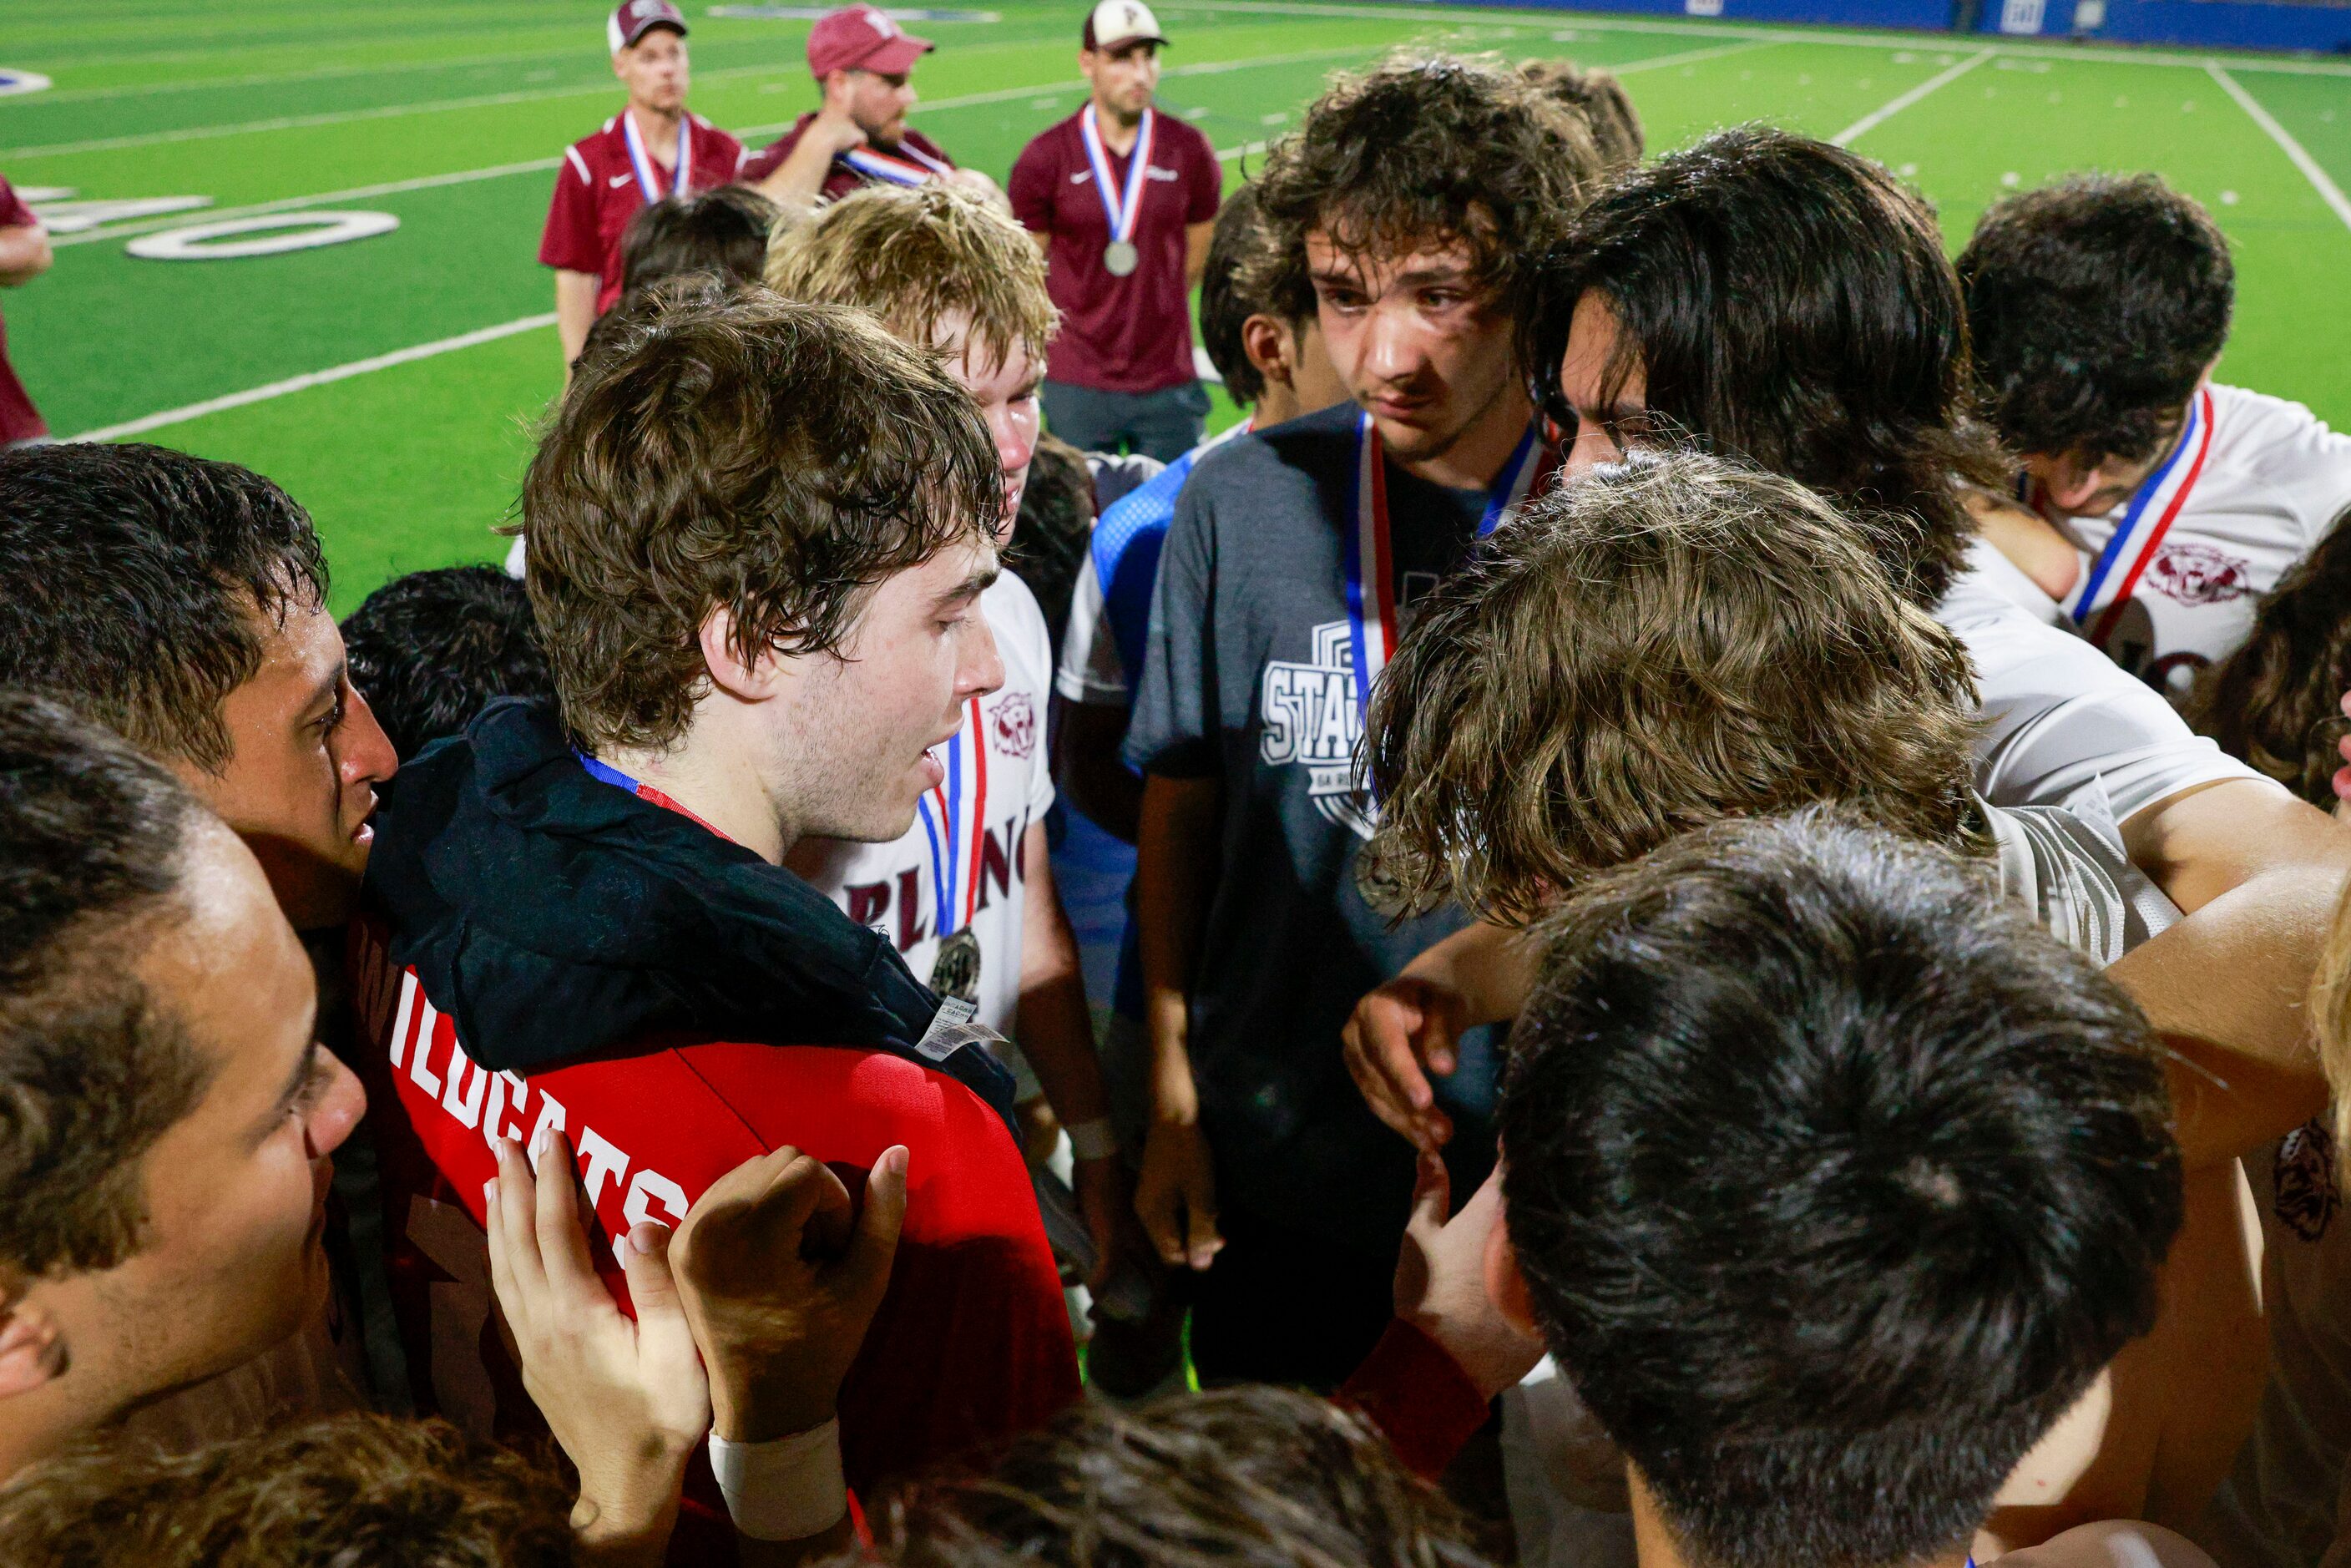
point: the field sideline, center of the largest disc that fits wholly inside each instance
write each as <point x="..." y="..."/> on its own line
<point x="391" y="382"/>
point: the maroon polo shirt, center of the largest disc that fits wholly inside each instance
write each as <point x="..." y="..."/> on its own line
<point x="1131" y="334"/>
<point x="840" y="179"/>
<point x="596" y="194"/>
<point x="19" y="420"/>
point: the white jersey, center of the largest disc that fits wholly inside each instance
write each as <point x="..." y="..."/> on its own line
<point x="2168" y="581"/>
<point x="2059" y="717"/>
<point x="968" y="832"/>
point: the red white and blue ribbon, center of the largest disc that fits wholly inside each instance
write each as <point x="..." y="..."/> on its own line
<point x="910" y="166"/>
<point x="1373" y="626"/>
<point x="1120" y="207"/>
<point x="2106" y="587"/>
<point x="955" y="841"/>
<point x="649" y="182"/>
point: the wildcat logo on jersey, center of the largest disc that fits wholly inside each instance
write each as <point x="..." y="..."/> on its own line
<point x="1309" y="718"/>
<point x="2198" y="574"/>
<point x="1015" y="724"/>
<point x="2307" y="1197"/>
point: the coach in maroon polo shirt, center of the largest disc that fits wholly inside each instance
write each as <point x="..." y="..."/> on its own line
<point x="863" y="64"/>
<point x="652" y="148"/>
<point x="1122" y="200"/>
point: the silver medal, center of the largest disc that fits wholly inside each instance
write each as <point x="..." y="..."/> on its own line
<point x="956" y="971"/>
<point x="1121" y="258"/>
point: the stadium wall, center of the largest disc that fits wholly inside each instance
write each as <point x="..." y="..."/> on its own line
<point x="2307" y="28"/>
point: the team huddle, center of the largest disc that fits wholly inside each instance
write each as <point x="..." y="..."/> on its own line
<point x="1738" y="952"/>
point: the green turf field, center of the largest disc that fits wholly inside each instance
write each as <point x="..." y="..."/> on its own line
<point x="451" y="117"/>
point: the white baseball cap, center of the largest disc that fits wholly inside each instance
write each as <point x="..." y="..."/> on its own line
<point x="1115" y="24"/>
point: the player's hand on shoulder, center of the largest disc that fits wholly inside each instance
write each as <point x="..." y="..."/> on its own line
<point x="1398" y="1035"/>
<point x="781" y="1274"/>
<point x="627" y="1400"/>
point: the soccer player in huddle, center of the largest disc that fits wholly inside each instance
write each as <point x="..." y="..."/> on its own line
<point x="965" y="894"/>
<point x="2099" y="306"/>
<point x="1294" y="557"/>
<point x="578" y="917"/>
<point x="655" y="147"/>
<point x="1751" y="1202"/>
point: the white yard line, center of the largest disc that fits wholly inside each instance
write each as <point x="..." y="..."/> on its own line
<point x="146" y="422"/>
<point x="749" y="132"/>
<point x="322" y="73"/>
<point x="345" y="117"/>
<point x="1691" y="57"/>
<point x="1544" y="19"/>
<point x="2328" y="191"/>
<point x="1892" y="107"/>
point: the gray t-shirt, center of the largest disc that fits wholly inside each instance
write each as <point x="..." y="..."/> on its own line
<point x="1248" y="679"/>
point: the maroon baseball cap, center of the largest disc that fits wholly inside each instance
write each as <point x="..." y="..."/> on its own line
<point x="634" y="18"/>
<point x="858" y="37"/>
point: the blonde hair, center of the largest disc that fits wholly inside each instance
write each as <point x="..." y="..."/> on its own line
<point x="914" y="257"/>
<point x="2330" y="1014"/>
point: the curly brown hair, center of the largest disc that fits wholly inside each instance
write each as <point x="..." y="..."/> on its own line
<point x="1420" y="149"/>
<point x="1658" y="644"/>
<point x="1253" y="1477"/>
<point x="357" y="1491"/>
<point x="2276" y="702"/>
<point x="1594" y="92"/>
<point x="915" y="255"/>
<point x="735" y="450"/>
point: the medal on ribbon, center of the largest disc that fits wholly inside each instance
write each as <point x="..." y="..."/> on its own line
<point x="2162" y="496"/>
<point x="955" y="844"/>
<point x="1373" y="626"/>
<point x="648" y="181"/>
<point x="908" y="166"/>
<point x="1120" y="258"/>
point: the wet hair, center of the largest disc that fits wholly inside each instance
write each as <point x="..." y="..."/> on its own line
<point x="137" y="584"/>
<point x="1655" y="645"/>
<point x="1251" y="1477"/>
<point x="2097" y="304"/>
<point x="1055" y="526"/>
<point x="1226" y="301"/>
<point x="1594" y="92"/>
<point x="722" y="232"/>
<point x="429" y="648"/>
<point x="1787" y="303"/>
<point x="93" y="1068"/>
<point x="2277" y="702"/>
<point x="1834" y="1183"/>
<point x="917" y="255"/>
<point x="742" y="452"/>
<point x="342" y="1494"/>
<point x="1422" y="150"/>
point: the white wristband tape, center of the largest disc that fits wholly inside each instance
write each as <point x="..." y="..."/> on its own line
<point x="1092" y="1140"/>
<point x="785" y="1490"/>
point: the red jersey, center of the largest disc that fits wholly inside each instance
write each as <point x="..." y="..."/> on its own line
<point x="19" y="420"/>
<point x="915" y="158"/>
<point x="600" y="188"/>
<point x="1128" y="334"/>
<point x="972" y="1341"/>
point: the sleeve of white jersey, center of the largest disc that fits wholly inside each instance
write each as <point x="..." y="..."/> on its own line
<point x="1091" y="671"/>
<point x="2060" y="717"/>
